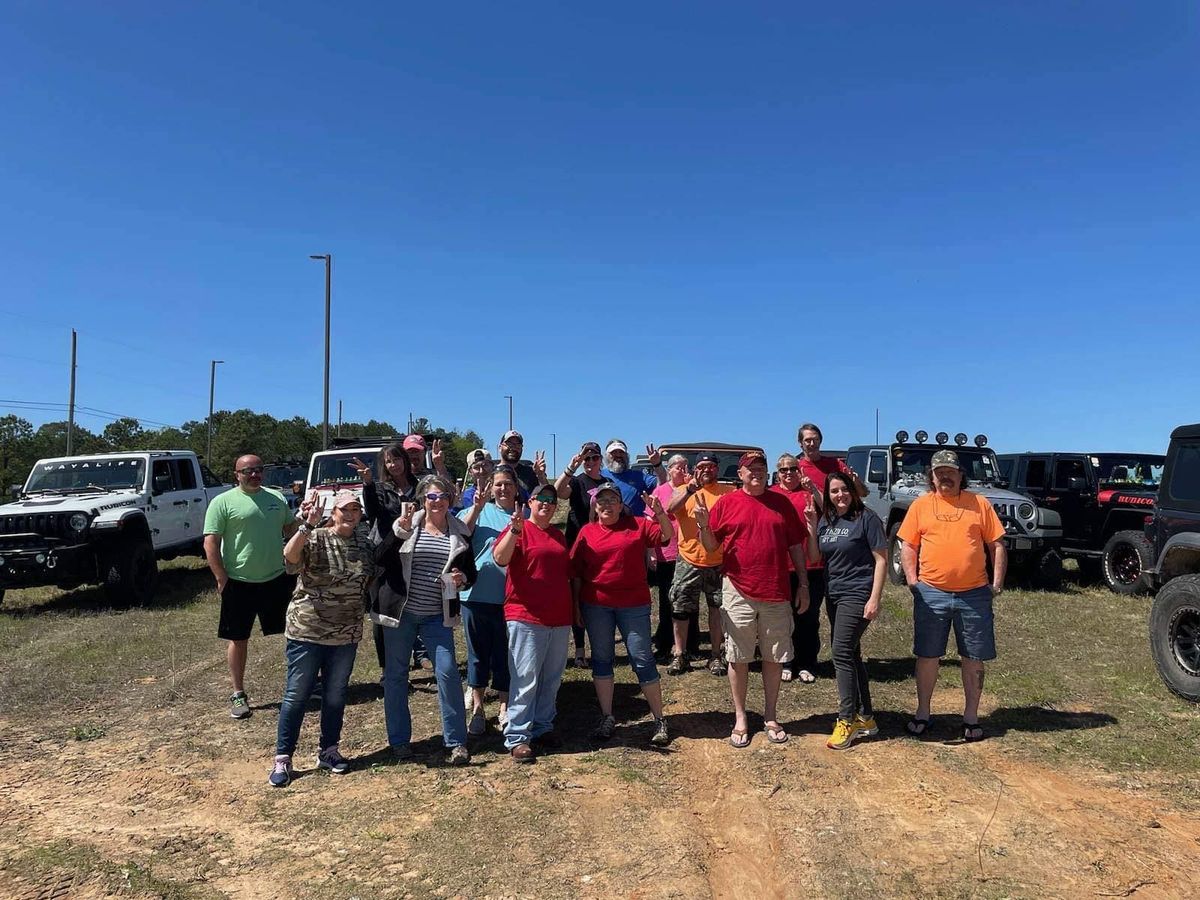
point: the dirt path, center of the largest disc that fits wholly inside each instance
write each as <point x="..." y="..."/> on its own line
<point x="892" y="817"/>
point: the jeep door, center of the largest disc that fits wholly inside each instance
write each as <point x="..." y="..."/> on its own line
<point x="878" y="480"/>
<point x="168" y="504"/>
<point x="1178" y="508"/>
<point x="190" y="491"/>
<point x="1072" y="487"/>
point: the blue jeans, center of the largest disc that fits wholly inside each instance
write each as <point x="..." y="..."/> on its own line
<point x="968" y="612"/>
<point x="397" y="648"/>
<point x="305" y="662"/>
<point x="487" y="645"/>
<point x="634" y="624"/>
<point x="537" y="655"/>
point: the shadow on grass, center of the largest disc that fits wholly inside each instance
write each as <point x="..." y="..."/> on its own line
<point x="1041" y="719"/>
<point x="890" y="670"/>
<point x="177" y="588"/>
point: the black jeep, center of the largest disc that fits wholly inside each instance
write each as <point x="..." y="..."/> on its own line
<point x="1174" y="533"/>
<point x="1104" y="500"/>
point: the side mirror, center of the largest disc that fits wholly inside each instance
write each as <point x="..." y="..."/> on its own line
<point x="876" y="473"/>
<point x="15" y="490"/>
<point x="1077" y="484"/>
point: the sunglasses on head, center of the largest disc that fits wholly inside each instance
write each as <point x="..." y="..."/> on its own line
<point x="437" y="495"/>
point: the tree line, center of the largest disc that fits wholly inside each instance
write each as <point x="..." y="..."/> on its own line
<point x="234" y="433"/>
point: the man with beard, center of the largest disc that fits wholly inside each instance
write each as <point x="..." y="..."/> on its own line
<point x="949" y="537"/>
<point x="632" y="483"/>
<point x="415" y="446"/>
<point x="698" y="570"/>
<point x="479" y="471"/>
<point x="512" y="445"/>
<point x="757" y="531"/>
<point x="244" y="531"/>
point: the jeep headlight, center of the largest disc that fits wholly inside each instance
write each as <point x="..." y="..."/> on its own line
<point x="1025" y="510"/>
<point x="78" y="521"/>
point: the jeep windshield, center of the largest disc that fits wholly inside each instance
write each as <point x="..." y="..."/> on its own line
<point x="727" y="460"/>
<point x="281" y="477"/>
<point x="336" y="469"/>
<point x="1143" y="470"/>
<point x="74" y="475"/>
<point x="911" y="462"/>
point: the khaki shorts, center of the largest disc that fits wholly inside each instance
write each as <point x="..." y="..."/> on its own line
<point x="749" y="622"/>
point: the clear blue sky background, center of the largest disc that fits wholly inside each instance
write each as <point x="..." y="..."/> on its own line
<point x="729" y="218"/>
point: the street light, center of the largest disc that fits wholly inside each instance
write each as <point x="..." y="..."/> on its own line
<point x="553" y="452"/>
<point x="212" y="388"/>
<point x="508" y="397"/>
<point x="325" y="416"/>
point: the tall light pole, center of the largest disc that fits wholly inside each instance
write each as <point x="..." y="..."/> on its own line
<point x="553" y="452"/>
<point x="212" y="390"/>
<point x="325" y="415"/>
<point x="508" y="397"/>
<point x="71" y="398"/>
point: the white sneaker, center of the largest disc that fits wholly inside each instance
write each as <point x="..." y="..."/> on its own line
<point x="503" y="718"/>
<point x="478" y="724"/>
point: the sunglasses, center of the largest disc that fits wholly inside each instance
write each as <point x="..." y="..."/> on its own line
<point x="545" y="498"/>
<point x="787" y="470"/>
<point x="591" y="458"/>
<point x="435" y="496"/>
<point x="251" y="470"/>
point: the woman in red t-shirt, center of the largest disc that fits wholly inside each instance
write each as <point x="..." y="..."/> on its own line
<point x="608" y="583"/>
<point x="538" y="614"/>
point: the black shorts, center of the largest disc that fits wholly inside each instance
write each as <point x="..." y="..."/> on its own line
<point x="241" y="601"/>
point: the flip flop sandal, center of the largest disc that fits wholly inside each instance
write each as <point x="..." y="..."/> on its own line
<point x="968" y="727"/>
<point x="739" y="739"/>
<point x="916" y="727"/>
<point x="776" y="734"/>
<point x="806" y="676"/>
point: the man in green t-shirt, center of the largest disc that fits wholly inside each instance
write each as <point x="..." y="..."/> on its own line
<point x="244" y="530"/>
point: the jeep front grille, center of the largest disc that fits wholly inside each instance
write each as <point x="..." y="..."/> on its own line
<point x="53" y="526"/>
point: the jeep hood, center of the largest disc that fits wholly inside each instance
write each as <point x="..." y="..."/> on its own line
<point x="54" y="503"/>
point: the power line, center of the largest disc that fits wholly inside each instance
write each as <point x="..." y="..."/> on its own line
<point x="48" y="406"/>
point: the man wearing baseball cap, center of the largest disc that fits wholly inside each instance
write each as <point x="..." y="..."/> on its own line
<point x="949" y="536"/>
<point x="698" y="570"/>
<point x="758" y="531"/>
<point x="512" y="445"/>
<point x="479" y="469"/>
<point x="415" y="447"/>
<point x="632" y="483"/>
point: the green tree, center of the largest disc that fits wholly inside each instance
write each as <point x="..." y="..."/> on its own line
<point x="16" y="456"/>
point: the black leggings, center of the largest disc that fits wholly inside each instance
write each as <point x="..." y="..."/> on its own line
<point x="854" y="689"/>
<point x="806" y="628"/>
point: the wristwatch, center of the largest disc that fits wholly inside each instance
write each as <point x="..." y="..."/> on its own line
<point x="305" y="528"/>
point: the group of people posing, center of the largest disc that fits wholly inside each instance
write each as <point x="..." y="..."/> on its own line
<point x="420" y="559"/>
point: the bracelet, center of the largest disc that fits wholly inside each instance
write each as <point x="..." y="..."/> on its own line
<point x="305" y="528"/>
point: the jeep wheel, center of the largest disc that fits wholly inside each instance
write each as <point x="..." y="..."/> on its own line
<point x="1127" y="556"/>
<point x="131" y="573"/>
<point x="1175" y="635"/>
<point x="895" y="567"/>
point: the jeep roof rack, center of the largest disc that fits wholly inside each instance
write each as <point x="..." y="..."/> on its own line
<point x="1186" y="431"/>
<point x="340" y="443"/>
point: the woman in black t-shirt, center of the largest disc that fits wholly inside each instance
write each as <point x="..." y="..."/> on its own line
<point x="850" y="538"/>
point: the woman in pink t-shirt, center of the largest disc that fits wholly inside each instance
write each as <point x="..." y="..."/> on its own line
<point x="608" y="582"/>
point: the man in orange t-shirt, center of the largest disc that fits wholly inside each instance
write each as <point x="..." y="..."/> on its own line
<point x="950" y="534"/>
<point x="697" y="571"/>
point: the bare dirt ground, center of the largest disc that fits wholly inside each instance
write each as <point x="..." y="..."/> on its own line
<point x="147" y="789"/>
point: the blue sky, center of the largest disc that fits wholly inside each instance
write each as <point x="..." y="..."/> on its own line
<point x="726" y="218"/>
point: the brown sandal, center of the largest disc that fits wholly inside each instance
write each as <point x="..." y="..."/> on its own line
<point x="739" y="739"/>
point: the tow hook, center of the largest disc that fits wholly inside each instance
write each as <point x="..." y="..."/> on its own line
<point x="51" y="562"/>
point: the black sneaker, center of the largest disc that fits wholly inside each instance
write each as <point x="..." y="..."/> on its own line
<point x="604" y="729"/>
<point x="660" y="738"/>
<point x="402" y="753"/>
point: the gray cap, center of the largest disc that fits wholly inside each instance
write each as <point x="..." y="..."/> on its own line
<point x="945" y="458"/>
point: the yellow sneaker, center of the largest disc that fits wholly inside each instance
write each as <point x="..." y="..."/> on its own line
<point x="842" y="737"/>
<point x="864" y="727"/>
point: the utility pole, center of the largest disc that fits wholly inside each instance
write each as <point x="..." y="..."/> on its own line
<point x="409" y="424"/>
<point x="877" y="425"/>
<point x="328" y="278"/>
<point x="212" y="389"/>
<point x="339" y="418"/>
<point x="553" y="452"/>
<point x="71" y="399"/>
<point x="508" y="397"/>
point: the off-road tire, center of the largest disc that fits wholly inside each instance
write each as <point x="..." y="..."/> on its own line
<point x="136" y="570"/>
<point x="1127" y="556"/>
<point x="895" y="569"/>
<point x="1175" y="635"/>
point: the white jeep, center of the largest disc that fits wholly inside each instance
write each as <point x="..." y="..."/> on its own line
<point x="105" y="519"/>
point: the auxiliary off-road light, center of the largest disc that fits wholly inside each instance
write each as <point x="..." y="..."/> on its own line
<point x="922" y="437"/>
<point x="981" y="440"/>
<point x="902" y="436"/>
<point x="960" y="439"/>
<point x="78" y="521"/>
<point x="941" y="437"/>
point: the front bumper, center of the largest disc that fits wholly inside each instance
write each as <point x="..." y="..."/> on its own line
<point x="47" y="565"/>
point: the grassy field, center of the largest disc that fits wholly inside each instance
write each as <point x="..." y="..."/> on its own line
<point x="123" y="773"/>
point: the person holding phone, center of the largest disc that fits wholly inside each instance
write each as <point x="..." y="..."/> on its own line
<point x="426" y="561"/>
<point x="538" y="613"/>
<point x="610" y="592"/>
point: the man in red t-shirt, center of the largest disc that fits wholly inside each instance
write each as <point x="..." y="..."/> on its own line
<point x="814" y="467"/>
<point x="758" y="532"/>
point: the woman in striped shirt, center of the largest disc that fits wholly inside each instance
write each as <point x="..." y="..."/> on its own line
<point x="426" y="561"/>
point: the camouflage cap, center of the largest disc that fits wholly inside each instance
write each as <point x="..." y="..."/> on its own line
<point x="945" y="458"/>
